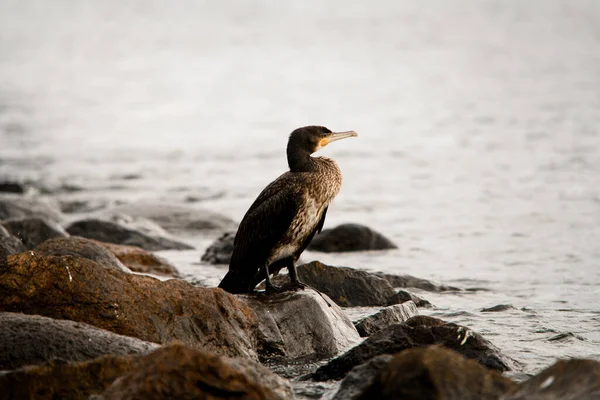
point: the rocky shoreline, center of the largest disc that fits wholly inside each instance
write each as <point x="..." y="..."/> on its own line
<point x="87" y="310"/>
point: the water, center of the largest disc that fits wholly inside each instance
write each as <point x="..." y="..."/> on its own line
<point x="479" y="147"/>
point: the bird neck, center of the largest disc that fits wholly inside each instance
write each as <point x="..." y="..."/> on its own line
<point x="300" y="160"/>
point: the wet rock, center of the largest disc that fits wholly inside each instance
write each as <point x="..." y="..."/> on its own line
<point x="386" y="317"/>
<point x="140" y="260"/>
<point x="12" y="206"/>
<point x="346" y="286"/>
<point x="436" y="373"/>
<point x="220" y="251"/>
<point x="33" y="230"/>
<point x="176" y="218"/>
<point x="402" y="296"/>
<point x="404" y="336"/>
<point x="12" y="187"/>
<point x="574" y="379"/>
<point x="9" y="245"/>
<point x="78" y="289"/>
<point x="64" y="381"/>
<point x="409" y="281"/>
<point x="350" y="237"/>
<point x="498" y="308"/>
<point x="120" y="233"/>
<point x="33" y="339"/>
<point x="81" y="247"/>
<point x="361" y="377"/>
<point x="179" y="372"/>
<point x="300" y="324"/>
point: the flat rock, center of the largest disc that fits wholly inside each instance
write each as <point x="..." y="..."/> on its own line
<point x="33" y="230"/>
<point x="81" y="247"/>
<point x="409" y="281"/>
<point x="435" y="372"/>
<point x="361" y="377"/>
<point x="77" y="289"/>
<point x="179" y="372"/>
<point x="404" y="336"/>
<point x="33" y="339"/>
<point x="300" y="324"/>
<point x="13" y="206"/>
<point x="140" y="260"/>
<point x="121" y="233"/>
<point x="176" y="218"/>
<point x="220" y="251"/>
<point x="386" y="317"/>
<point x="350" y="237"/>
<point x="575" y="379"/>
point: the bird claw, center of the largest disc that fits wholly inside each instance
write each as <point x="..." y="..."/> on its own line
<point x="272" y="289"/>
<point x="295" y="286"/>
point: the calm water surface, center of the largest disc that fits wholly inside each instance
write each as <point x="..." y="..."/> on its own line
<point x="479" y="120"/>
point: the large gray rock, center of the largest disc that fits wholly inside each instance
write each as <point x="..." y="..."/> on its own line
<point x="175" y="218"/>
<point x="386" y="317"/>
<point x="33" y="339"/>
<point x="573" y="379"/>
<point x="81" y="247"/>
<point x="300" y="324"/>
<point x="33" y="230"/>
<point x="418" y="332"/>
<point x="350" y="237"/>
<point x="123" y="233"/>
<point x="12" y="206"/>
<point x="220" y="251"/>
<point x="360" y="378"/>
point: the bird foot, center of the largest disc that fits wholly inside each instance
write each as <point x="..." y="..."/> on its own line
<point x="272" y="289"/>
<point x="294" y="286"/>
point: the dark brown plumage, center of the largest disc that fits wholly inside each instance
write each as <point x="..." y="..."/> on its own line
<point x="286" y="215"/>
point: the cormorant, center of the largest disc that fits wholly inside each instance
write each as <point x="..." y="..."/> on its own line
<point x="286" y="214"/>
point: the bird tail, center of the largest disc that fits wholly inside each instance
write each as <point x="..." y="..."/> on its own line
<point x="234" y="282"/>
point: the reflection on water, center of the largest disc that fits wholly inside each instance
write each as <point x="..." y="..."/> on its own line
<point x="478" y="152"/>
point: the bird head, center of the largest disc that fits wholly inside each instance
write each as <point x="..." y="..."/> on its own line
<point x="312" y="138"/>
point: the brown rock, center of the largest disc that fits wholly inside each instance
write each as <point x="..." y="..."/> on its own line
<point x="77" y="289"/>
<point x="140" y="260"/>
<point x="179" y="372"/>
<point x="436" y="373"/>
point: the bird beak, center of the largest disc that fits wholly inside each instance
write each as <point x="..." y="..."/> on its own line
<point x="336" y="136"/>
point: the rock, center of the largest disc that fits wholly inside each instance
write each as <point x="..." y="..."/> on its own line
<point x="574" y="379"/>
<point x="300" y="324"/>
<point x="118" y="233"/>
<point x="385" y="317"/>
<point x="498" y="308"/>
<point x="82" y="206"/>
<point x="346" y="286"/>
<point x="179" y="372"/>
<point x="64" y="381"/>
<point x="220" y="251"/>
<point x="81" y="247"/>
<point x="21" y="207"/>
<point x="12" y="187"/>
<point x="404" y="336"/>
<point x="409" y="281"/>
<point x="176" y="218"/>
<point x="10" y="245"/>
<point x="140" y="260"/>
<point x="360" y="378"/>
<point x="434" y="372"/>
<point x="402" y="296"/>
<point x="32" y="339"/>
<point x="78" y="289"/>
<point x="33" y="230"/>
<point x="350" y="237"/>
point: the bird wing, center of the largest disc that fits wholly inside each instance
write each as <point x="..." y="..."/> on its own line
<point x="322" y="221"/>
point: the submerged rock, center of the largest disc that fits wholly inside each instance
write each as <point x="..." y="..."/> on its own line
<point x="119" y="233"/>
<point x="350" y="237"/>
<point x="179" y="372"/>
<point x="220" y="251"/>
<point x="361" y="377"/>
<point x="300" y="324"/>
<point x="176" y="218"/>
<point x="409" y="281"/>
<point x="404" y="336"/>
<point x="33" y="339"/>
<point x="434" y="372"/>
<point x="140" y="260"/>
<point x="574" y="379"/>
<point x="33" y="230"/>
<point x="12" y="187"/>
<point x="81" y="247"/>
<point x="12" y="206"/>
<point x="498" y="308"/>
<point x="386" y="317"/>
<point x="80" y="290"/>
<point x="402" y="296"/>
